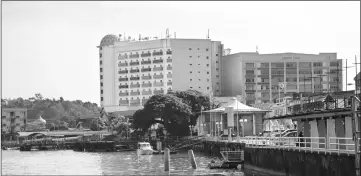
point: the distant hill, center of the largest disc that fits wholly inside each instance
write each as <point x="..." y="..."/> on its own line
<point x="52" y="109"/>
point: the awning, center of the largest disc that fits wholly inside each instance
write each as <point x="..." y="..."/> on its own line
<point x="237" y="107"/>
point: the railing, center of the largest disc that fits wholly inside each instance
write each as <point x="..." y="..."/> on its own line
<point x="146" y="77"/>
<point x="135" y="85"/>
<point x="317" y="144"/>
<point x="158" y="61"/>
<point x="124" y="94"/>
<point x="134" y="56"/>
<point x="134" y="71"/>
<point x="158" y="69"/>
<point x="134" y="63"/>
<point x="146" y="62"/>
<point x="122" y="64"/>
<point x="169" y="52"/>
<point x="147" y="85"/>
<point x="123" y="79"/>
<point x="145" y="54"/>
<point x="169" y="60"/>
<point x="158" y="53"/>
<point x="134" y="78"/>
<point x="146" y="69"/>
<point x="158" y="76"/>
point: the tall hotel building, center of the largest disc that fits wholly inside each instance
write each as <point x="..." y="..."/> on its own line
<point x="257" y="76"/>
<point x="132" y="71"/>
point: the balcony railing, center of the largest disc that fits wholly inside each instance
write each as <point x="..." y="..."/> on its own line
<point x="169" y="52"/>
<point x="169" y="60"/>
<point x="158" y="91"/>
<point x="123" y="79"/>
<point x="135" y="102"/>
<point x="145" y="55"/>
<point x="123" y="86"/>
<point x="134" y="78"/>
<point x="169" y="76"/>
<point x="134" y="93"/>
<point x="122" y="64"/>
<point x="123" y="102"/>
<point x="134" y="63"/>
<point x="157" y="61"/>
<point x="124" y="94"/>
<point x="122" y="57"/>
<point x="147" y="92"/>
<point x="134" y="56"/>
<point x="134" y="71"/>
<point x="134" y="85"/>
<point x="158" y="53"/>
<point x="146" y="62"/>
<point x="123" y="71"/>
<point x="169" y="68"/>
<point x="146" y="77"/>
<point x="158" y="76"/>
<point x="157" y="84"/>
<point x="169" y="83"/>
<point x="158" y="69"/>
<point x="147" y="85"/>
<point x="146" y="69"/>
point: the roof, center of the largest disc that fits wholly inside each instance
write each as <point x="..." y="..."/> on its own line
<point x="237" y="106"/>
<point x="90" y="116"/>
<point x="122" y="110"/>
<point x="108" y="40"/>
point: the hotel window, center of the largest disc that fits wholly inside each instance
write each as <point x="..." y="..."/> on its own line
<point x="190" y="48"/>
<point x="101" y="69"/>
<point x="190" y="79"/>
<point x="207" y="88"/>
<point x="190" y="72"/>
<point x="101" y="84"/>
<point x="190" y="56"/>
<point x="198" y="48"/>
<point x="101" y="91"/>
<point x="206" y="49"/>
<point x="216" y="54"/>
<point x="190" y="87"/>
<point x="207" y="57"/>
<point x="207" y="72"/>
<point x="190" y="64"/>
<point x="100" y="54"/>
<point x="207" y="65"/>
<point x="101" y="76"/>
<point x="101" y="99"/>
<point x="101" y="62"/>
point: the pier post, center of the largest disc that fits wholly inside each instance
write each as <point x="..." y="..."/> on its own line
<point x="166" y="159"/>
<point x="192" y="159"/>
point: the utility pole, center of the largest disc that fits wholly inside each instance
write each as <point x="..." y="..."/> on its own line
<point x="345" y="103"/>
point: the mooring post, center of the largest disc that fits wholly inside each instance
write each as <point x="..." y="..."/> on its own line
<point x="166" y="159"/>
<point x="192" y="159"/>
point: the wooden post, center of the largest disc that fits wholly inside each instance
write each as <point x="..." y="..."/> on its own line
<point x="166" y="159"/>
<point x="192" y="159"/>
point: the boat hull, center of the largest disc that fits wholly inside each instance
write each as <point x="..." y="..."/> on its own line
<point x="144" y="152"/>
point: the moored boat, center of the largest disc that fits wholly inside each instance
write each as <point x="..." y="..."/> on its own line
<point x="144" y="148"/>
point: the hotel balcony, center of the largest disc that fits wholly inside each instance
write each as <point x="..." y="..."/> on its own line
<point x="123" y="86"/>
<point x="134" y="71"/>
<point x="158" y="91"/>
<point x="132" y="56"/>
<point x="134" y="78"/>
<point x="169" y="83"/>
<point x="169" y="60"/>
<point x="134" y="93"/>
<point x="122" y="57"/>
<point x="135" y="102"/>
<point x="134" y="63"/>
<point x="158" y="69"/>
<point x="146" y="77"/>
<point x="147" y="85"/>
<point x="169" y="68"/>
<point x="169" y="76"/>
<point x="124" y="102"/>
<point x="122" y="64"/>
<point x="123" y="79"/>
<point x="157" y="61"/>
<point x="145" y="55"/>
<point x="134" y="85"/>
<point x="123" y="71"/>
<point x="146" y="69"/>
<point x="158" y="76"/>
<point x="147" y="92"/>
<point x="158" y="53"/>
<point x="158" y="84"/>
<point x="123" y="94"/>
<point x="146" y="62"/>
<point x="169" y="52"/>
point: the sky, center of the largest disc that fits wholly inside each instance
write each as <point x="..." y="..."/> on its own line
<point x="50" y="47"/>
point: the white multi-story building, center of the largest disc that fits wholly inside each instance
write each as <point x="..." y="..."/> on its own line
<point x="133" y="71"/>
<point x="258" y="76"/>
<point x="13" y="119"/>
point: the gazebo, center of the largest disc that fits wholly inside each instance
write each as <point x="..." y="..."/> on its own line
<point x="230" y="118"/>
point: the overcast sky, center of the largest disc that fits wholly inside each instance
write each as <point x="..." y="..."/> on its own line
<point x="50" y="47"/>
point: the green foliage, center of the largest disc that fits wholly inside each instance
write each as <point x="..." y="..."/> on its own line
<point x="120" y="125"/>
<point x="96" y="124"/>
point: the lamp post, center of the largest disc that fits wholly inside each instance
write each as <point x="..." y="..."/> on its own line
<point x="242" y="125"/>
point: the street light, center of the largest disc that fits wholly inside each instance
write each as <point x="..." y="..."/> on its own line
<point x="242" y="125"/>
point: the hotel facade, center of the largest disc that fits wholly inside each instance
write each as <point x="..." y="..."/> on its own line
<point x="257" y="77"/>
<point x="132" y="71"/>
<point x="13" y="120"/>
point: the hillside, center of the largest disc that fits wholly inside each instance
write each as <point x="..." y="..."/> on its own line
<point x="52" y="109"/>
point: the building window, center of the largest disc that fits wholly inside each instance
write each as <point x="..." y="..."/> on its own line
<point x="190" y="87"/>
<point x="101" y="62"/>
<point x="207" y="65"/>
<point x="199" y="87"/>
<point x="216" y="61"/>
<point x="101" y="84"/>
<point x="101" y="76"/>
<point x="190" y="72"/>
<point x="101" y="69"/>
<point x="216" y="54"/>
<point x="3" y="117"/>
<point x="207" y="72"/>
<point x="101" y="99"/>
<point x="207" y="88"/>
<point x="101" y="91"/>
<point x="199" y="79"/>
<point x="190" y="79"/>
<point x="190" y="56"/>
<point x="100" y="55"/>
<point x="206" y="49"/>
<point x="190" y="64"/>
<point x="190" y="48"/>
<point x="207" y="57"/>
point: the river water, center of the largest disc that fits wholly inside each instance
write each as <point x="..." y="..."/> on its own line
<point x="68" y="162"/>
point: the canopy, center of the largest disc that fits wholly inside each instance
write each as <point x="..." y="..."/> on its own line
<point x="237" y="107"/>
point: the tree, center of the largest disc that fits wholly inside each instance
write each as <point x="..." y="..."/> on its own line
<point x="96" y="124"/>
<point x="38" y="96"/>
<point x="120" y="125"/>
<point x="142" y="119"/>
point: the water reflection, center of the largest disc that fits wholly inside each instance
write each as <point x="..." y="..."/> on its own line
<point x="67" y="162"/>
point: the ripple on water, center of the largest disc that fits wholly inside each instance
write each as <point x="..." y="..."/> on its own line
<point x="68" y="162"/>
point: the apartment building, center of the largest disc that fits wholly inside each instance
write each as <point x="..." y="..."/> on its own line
<point x="258" y="76"/>
<point x="13" y="120"/>
<point x="132" y="71"/>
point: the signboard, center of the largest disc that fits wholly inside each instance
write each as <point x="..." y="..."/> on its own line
<point x="230" y="116"/>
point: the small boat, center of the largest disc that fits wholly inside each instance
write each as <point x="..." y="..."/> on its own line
<point x="162" y="152"/>
<point x="144" y="148"/>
